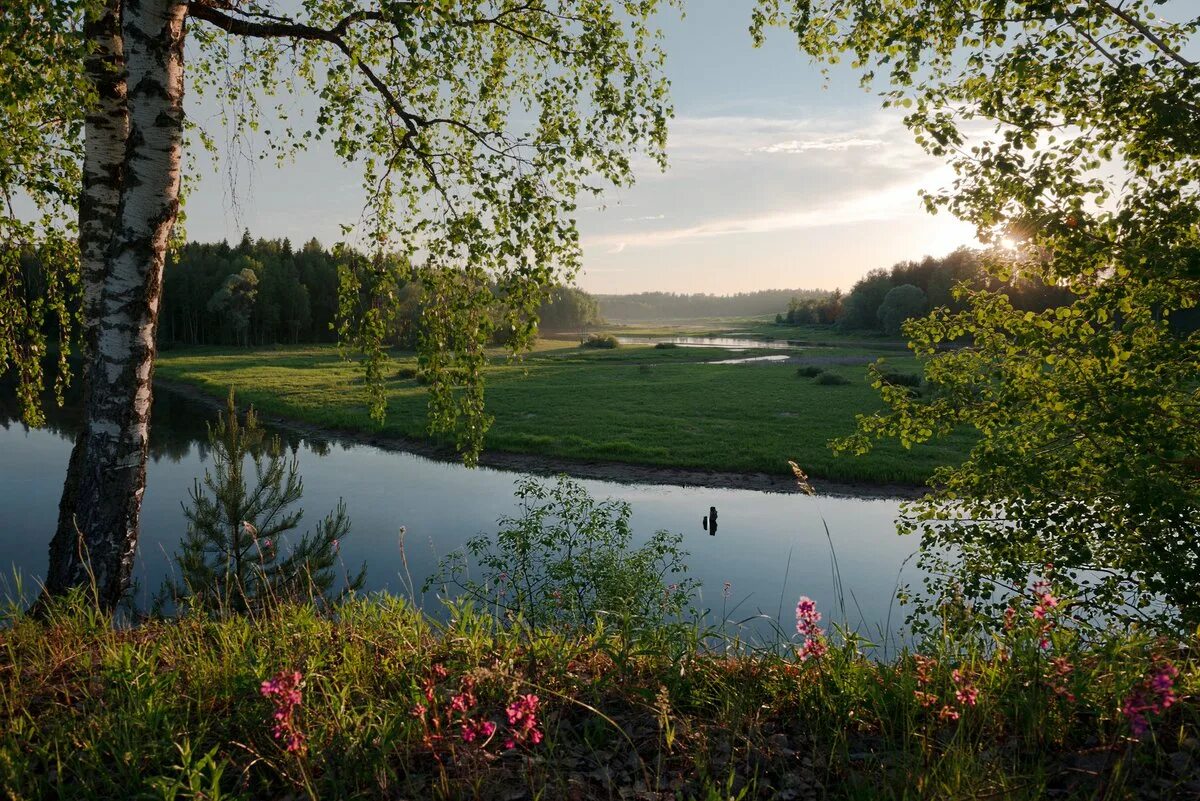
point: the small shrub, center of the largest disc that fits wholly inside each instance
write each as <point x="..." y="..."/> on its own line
<point x="666" y="345"/>
<point x="644" y="368"/>
<point x="568" y="561"/>
<point x="600" y="341"/>
<point x="832" y="380"/>
<point x="407" y="372"/>
<point x="809" y="371"/>
<point x="902" y="379"/>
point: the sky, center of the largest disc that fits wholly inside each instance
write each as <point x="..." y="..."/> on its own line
<point x="777" y="178"/>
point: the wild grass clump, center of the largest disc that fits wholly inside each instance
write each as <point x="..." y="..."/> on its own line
<point x="809" y="371"/>
<point x="832" y="380"/>
<point x="607" y="341"/>
<point x="665" y="345"/>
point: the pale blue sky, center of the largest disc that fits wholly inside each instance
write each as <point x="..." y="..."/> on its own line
<point x="773" y="181"/>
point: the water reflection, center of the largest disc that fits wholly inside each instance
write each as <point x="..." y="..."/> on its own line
<point x="772" y="546"/>
<point x="729" y="343"/>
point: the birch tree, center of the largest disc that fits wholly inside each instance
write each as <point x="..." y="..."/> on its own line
<point x="476" y="124"/>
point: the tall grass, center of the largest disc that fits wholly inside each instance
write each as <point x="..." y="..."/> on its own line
<point x="175" y="709"/>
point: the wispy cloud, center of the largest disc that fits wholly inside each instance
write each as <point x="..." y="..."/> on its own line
<point x="888" y="203"/>
<point x="828" y="143"/>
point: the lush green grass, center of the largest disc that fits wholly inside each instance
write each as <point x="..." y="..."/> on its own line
<point x="174" y="709"/>
<point x="634" y="404"/>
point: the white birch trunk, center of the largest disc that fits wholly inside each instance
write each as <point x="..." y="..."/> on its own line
<point x="106" y="128"/>
<point x="113" y="471"/>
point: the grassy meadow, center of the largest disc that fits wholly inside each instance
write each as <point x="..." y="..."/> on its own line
<point x="635" y="404"/>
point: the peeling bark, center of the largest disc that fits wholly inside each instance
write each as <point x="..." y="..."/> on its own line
<point x="112" y="467"/>
<point x="106" y="127"/>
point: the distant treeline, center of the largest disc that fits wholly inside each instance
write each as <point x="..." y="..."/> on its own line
<point x="884" y="298"/>
<point x="264" y="292"/>
<point x="267" y="292"/>
<point x="655" y="306"/>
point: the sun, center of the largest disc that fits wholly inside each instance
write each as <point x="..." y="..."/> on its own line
<point x="1008" y="243"/>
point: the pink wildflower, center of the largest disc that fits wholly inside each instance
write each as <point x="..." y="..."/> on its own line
<point x="476" y="729"/>
<point x="284" y="691"/>
<point x="808" y="621"/>
<point x="1155" y="694"/>
<point x="948" y="713"/>
<point x="418" y="710"/>
<point x="523" y="721"/>
<point x="728" y="588"/>
<point x="813" y="649"/>
<point x="966" y="693"/>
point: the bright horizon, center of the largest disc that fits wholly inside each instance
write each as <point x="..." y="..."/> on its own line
<point x="773" y="181"/>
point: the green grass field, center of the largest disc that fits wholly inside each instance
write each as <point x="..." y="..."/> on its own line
<point x="634" y="404"/>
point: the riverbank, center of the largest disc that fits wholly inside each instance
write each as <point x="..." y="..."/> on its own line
<point x="375" y="700"/>
<point x="636" y="413"/>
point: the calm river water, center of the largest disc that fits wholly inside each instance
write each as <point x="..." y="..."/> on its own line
<point x="770" y="547"/>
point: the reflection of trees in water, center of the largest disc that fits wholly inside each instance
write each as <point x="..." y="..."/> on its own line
<point x="178" y="424"/>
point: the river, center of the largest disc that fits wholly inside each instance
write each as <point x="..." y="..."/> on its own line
<point x="770" y="546"/>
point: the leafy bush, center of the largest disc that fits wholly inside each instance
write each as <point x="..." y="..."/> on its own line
<point x="567" y="561"/>
<point x="600" y="341"/>
<point x="666" y="345"/>
<point x="832" y="380"/>
<point x="901" y="379"/>
<point x="809" y="371"/>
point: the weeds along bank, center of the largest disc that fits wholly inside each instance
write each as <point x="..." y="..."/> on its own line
<point x="372" y="699"/>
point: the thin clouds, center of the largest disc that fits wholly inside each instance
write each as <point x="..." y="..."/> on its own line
<point x="887" y="203"/>
<point x="796" y="146"/>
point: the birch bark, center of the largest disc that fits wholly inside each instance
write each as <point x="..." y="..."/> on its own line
<point x="112" y="467"/>
<point x="106" y="127"/>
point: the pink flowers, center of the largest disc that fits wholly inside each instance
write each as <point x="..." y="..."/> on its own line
<point x="462" y="711"/>
<point x="476" y="729"/>
<point x="284" y="691"/>
<point x="1155" y="694"/>
<point x="965" y="692"/>
<point x="808" y="621"/>
<point x="523" y="722"/>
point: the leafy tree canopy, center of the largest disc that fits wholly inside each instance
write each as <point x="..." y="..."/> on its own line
<point x="477" y="125"/>
<point x="1074" y="130"/>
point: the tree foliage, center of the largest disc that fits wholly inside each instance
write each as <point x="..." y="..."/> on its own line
<point x="901" y="303"/>
<point x="478" y="125"/>
<point x="42" y="61"/>
<point x="1074" y="130"/>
